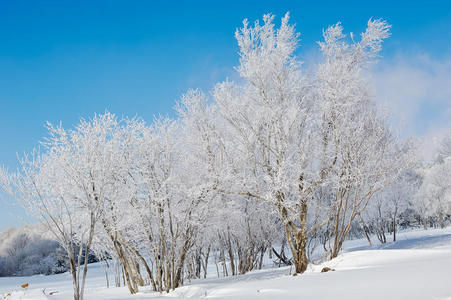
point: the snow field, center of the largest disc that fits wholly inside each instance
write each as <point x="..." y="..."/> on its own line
<point x="418" y="266"/>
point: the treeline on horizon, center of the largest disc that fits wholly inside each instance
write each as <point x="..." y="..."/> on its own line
<point x="31" y="250"/>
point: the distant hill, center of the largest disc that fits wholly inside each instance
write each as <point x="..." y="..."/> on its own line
<point x="10" y="234"/>
<point x="30" y="250"/>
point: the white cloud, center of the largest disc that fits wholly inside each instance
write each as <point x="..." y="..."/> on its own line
<point x="416" y="89"/>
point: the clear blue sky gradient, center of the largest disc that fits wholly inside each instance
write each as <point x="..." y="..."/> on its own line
<point x="63" y="60"/>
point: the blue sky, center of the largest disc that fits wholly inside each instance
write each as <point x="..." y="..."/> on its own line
<point x="63" y="60"/>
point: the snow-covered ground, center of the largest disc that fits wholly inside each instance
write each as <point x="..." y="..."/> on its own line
<point x="418" y="266"/>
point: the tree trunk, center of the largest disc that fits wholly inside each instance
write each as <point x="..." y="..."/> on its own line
<point x="205" y="261"/>
<point x="125" y="268"/>
<point x="441" y="220"/>
<point x="297" y="241"/>
<point x="364" y="229"/>
<point x="73" y="271"/>
<point x="217" y="268"/>
<point x="394" y="229"/>
<point x="224" y="264"/>
<point x="230" y="252"/>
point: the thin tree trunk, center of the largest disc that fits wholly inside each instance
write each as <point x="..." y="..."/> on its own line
<point x="217" y="268"/>
<point x="363" y="227"/>
<point x="87" y="249"/>
<point x="205" y="261"/>
<point x="230" y="252"/>
<point x="394" y="228"/>
<point x="73" y="271"/>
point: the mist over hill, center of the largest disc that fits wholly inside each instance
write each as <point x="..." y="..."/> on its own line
<point x="29" y="250"/>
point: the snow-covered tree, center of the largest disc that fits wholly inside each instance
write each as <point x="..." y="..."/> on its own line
<point x="434" y="196"/>
<point x="392" y="203"/>
<point x="297" y="136"/>
<point x="64" y="186"/>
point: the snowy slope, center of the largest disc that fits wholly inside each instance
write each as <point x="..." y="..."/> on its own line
<point x="416" y="267"/>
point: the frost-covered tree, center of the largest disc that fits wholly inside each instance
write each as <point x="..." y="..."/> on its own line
<point x="444" y="149"/>
<point x="367" y="155"/>
<point x="433" y="199"/>
<point x="29" y="250"/>
<point x="167" y="202"/>
<point x="64" y="186"/>
<point x="300" y="140"/>
<point x="434" y="196"/>
<point x="390" y="205"/>
<point x="269" y="117"/>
